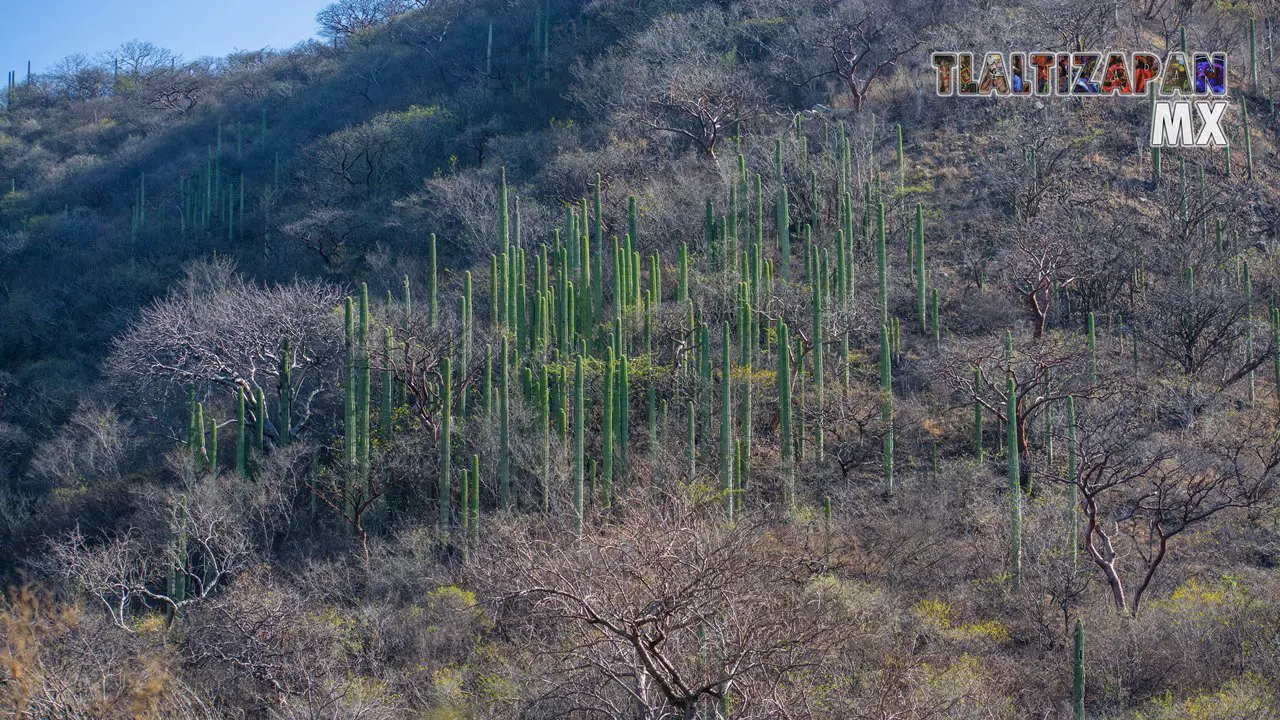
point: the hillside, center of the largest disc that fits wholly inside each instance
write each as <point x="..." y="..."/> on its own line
<point x="639" y="359"/>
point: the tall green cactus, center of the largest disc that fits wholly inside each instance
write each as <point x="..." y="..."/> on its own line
<point x="504" y="417"/>
<point x="544" y="423"/>
<point x="242" y="437"/>
<point x="920" y="276"/>
<point x="818" y="376"/>
<point x="260" y="421"/>
<point x="1253" y="54"/>
<point x="902" y="165"/>
<point x="446" y="444"/>
<point x="433" y="285"/>
<point x="579" y="465"/>
<point x="786" y="439"/>
<point x="1077" y="674"/>
<point x="1248" y="138"/>
<point x="1248" y="329"/>
<point x="285" y="391"/>
<point x="1275" y="341"/>
<point x="1073" y="500"/>
<point x="692" y="440"/>
<point x="783" y="220"/>
<point x="475" y="495"/>
<point x="1015" y="484"/>
<point x="886" y="406"/>
<point x="1093" y="349"/>
<point x="882" y="266"/>
<point x="213" y="445"/>
<point x="349" y="387"/>
<point x="362" y="384"/>
<point x="388" y="386"/>
<point x="607" y="430"/>
<point x="623" y="406"/>
<point x="726" y="424"/>
<point x="977" y="415"/>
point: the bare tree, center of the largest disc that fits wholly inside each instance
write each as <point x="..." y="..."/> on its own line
<point x="344" y="19"/>
<point x="855" y="43"/>
<point x="678" y="77"/>
<point x="1144" y="487"/>
<point x="661" y="620"/>
<point x="218" y="330"/>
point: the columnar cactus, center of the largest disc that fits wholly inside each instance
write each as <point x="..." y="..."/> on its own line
<point x="285" y="391"/>
<point x="433" y="284"/>
<point x="1015" y="484"/>
<point x="260" y="421"/>
<point x="886" y="406"/>
<point x="1275" y="341"/>
<point x="977" y="416"/>
<point x="544" y="422"/>
<point x="1248" y="329"/>
<point x="786" y="439"/>
<point x="1093" y="350"/>
<point x="504" y="417"/>
<point x="1253" y="53"/>
<point x="607" y="430"/>
<point x="818" y="377"/>
<point x="882" y="265"/>
<point x="902" y="166"/>
<point x="446" y="444"/>
<point x="726" y="424"/>
<point x="388" y="387"/>
<point x="919" y="260"/>
<point x="1077" y="675"/>
<point x="579" y="466"/>
<point x="475" y="495"/>
<point x="692" y="440"/>
<point x="362" y="384"/>
<point x="349" y="387"/>
<point x="937" y="321"/>
<point x="783" y="219"/>
<point x="213" y="444"/>
<point x="682" y="289"/>
<point x="623" y="405"/>
<point x="1073" y="501"/>
<point x="242" y="438"/>
<point x="1248" y="138"/>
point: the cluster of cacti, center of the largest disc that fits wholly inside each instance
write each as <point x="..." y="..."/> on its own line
<point x="590" y="301"/>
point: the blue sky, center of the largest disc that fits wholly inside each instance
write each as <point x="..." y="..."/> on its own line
<point x="43" y="31"/>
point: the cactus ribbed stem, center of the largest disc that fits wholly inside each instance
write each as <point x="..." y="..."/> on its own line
<point x="362" y="384"/>
<point x="886" y="407"/>
<point x="607" y="431"/>
<point x="1015" y="484"/>
<point x="446" y="444"/>
<point x="726" y="424"/>
<point x="1077" y="675"/>
<point x="1093" y="350"/>
<point x="260" y="421"/>
<point x="285" y="391"/>
<point x="242" y="439"/>
<point x="349" y="387"/>
<point x="1074" y="491"/>
<point x="786" y="439"/>
<point x="882" y="265"/>
<point x="818" y="376"/>
<point x="504" y="417"/>
<point x="579" y="466"/>
<point x="433" y="284"/>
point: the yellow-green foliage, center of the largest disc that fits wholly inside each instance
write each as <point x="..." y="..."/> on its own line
<point x="1249" y="697"/>
<point x="451" y="601"/>
<point x="938" y="617"/>
<point x="150" y="623"/>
